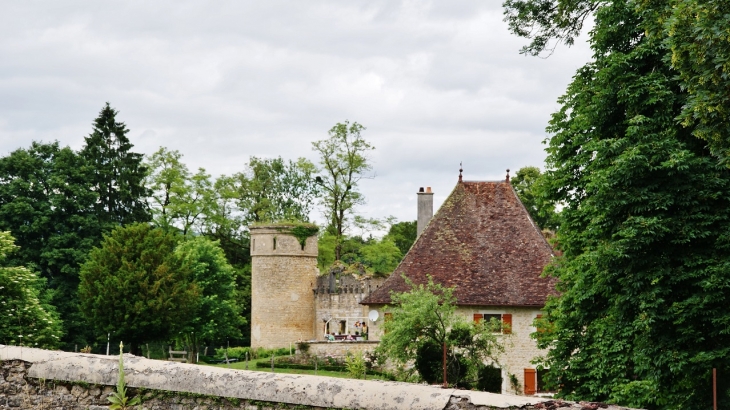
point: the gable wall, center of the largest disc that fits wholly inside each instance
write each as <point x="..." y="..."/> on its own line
<point x="520" y="349"/>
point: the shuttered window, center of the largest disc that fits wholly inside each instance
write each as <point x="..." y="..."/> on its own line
<point x="539" y="329"/>
<point x="506" y="323"/>
<point x="387" y="317"/>
<point x="530" y="382"/>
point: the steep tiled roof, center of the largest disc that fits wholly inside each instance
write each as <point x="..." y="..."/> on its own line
<point x="483" y="242"/>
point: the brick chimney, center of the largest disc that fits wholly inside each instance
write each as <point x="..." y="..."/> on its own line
<point x="425" y="209"/>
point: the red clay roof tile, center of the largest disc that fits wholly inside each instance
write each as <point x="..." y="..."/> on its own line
<point x="483" y="242"/>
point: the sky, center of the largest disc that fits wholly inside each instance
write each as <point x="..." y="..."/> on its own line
<point x="436" y="84"/>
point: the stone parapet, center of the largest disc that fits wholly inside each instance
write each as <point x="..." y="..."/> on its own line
<point x="35" y="379"/>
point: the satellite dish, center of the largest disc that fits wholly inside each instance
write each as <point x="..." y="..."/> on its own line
<point x="373" y="315"/>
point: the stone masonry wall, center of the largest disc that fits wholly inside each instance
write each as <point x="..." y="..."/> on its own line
<point x="282" y="277"/>
<point x="340" y="349"/>
<point x="520" y="349"/>
<point x="338" y="299"/>
<point x="41" y="379"/>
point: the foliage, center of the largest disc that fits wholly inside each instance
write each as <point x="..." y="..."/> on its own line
<point x="116" y="173"/>
<point x="344" y="163"/>
<point x="302" y="232"/>
<point x="46" y="202"/>
<point x="378" y="256"/>
<point x="355" y="365"/>
<point x="217" y="314"/>
<point x="543" y="21"/>
<point x="178" y="199"/>
<point x="274" y="190"/>
<point x="119" y="399"/>
<point x="690" y="34"/>
<point x="425" y="318"/>
<point x="403" y="234"/>
<point x="641" y="319"/>
<point x="529" y="186"/>
<point x="240" y="352"/>
<point x="490" y="379"/>
<point x="136" y="287"/>
<point x="696" y="33"/>
<point x="381" y="256"/>
<point x="28" y="319"/>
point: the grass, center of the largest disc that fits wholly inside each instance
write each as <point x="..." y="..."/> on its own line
<point x="252" y="367"/>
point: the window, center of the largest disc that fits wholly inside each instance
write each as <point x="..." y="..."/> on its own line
<point x="504" y="318"/>
<point x="530" y="382"/>
<point x="387" y="317"/>
<point x="541" y="373"/>
<point x="534" y="381"/>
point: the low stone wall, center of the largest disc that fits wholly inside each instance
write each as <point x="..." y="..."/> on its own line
<point x="340" y="349"/>
<point x="41" y="379"/>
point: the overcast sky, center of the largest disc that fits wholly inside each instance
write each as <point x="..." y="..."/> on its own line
<point x="435" y="83"/>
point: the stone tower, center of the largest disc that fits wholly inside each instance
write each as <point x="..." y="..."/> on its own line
<point x="283" y="274"/>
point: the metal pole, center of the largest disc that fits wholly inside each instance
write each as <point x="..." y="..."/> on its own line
<point x="714" y="388"/>
<point x="246" y="360"/>
<point x="107" y="343"/>
<point x="446" y="384"/>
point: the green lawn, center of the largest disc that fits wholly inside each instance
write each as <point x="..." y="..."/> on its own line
<point x="252" y="366"/>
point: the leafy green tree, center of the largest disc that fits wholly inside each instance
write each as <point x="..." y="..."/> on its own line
<point x="381" y="256"/>
<point x="528" y="184"/>
<point x="136" y="287"/>
<point x="425" y="319"/>
<point x="403" y="234"/>
<point x="694" y="40"/>
<point x="47" y="204"/>
<point x="696" y="33"/>
<point x="116" y="173"/>
<point x="178" y="199"/>
<point x="272" y="190"/>
<point x="218" y="314"/>
<point x="644" y="277"/>
<point x="27" y="318"/>
<point x="344" y="163"/>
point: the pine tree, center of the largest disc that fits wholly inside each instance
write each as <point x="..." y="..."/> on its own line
<point x="117" y="173"/>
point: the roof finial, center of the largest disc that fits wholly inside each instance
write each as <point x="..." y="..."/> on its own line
<point x="460" y="171"/>
<point x="507" y="180"/>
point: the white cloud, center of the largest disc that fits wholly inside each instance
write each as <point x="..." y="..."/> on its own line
<point x="436" y="83"/>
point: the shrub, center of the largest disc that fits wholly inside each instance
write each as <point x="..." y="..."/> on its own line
<point x="355" y="365"/>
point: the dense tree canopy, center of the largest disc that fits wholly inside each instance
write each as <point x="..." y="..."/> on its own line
<point x="136" y="287"/>
<point x="529" y="183"/>
<point x="47" y="204"/>
<point x="697" y="34"/>
<point x="644" y="277"/>
<point x="218" y="313"/>
<point x="177" y="198"/>
<point x="28" y="319"/>
<point x="273" y="190"/>
<point x="403" y="234"/>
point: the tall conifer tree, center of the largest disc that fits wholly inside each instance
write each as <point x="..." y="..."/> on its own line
<point x="117" y="174"/>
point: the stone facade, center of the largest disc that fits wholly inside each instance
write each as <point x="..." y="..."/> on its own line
<point x="283" y="274"/>
<point x="337" y="302"/>
<point x="520" y="349"/>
